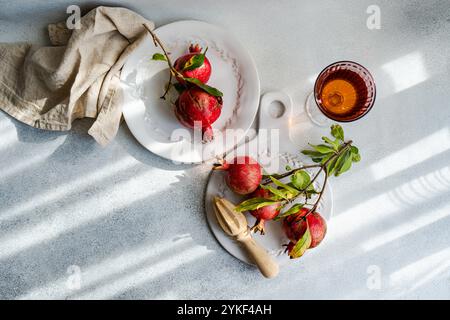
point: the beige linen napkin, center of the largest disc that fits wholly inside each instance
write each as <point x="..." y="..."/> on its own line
<point x="49" y="87"/>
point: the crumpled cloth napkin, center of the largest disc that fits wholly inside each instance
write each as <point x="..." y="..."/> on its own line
<point x="50" y="87"/>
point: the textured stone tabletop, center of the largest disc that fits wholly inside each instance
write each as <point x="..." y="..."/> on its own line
<point x="81" y="221"/>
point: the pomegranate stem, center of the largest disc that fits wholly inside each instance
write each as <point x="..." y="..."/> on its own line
<point x="287" y="174"/>
<point x="173" y="71"/>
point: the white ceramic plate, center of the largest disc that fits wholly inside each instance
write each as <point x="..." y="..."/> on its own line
<point x="287" y="153"/>
<point x="274" y="239"/>
<point x="152" y="121"/>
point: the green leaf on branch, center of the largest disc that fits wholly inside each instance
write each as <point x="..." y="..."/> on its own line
<point x="294" y="192"/>
<point x="322" y="149"/>
<point x="212" y="91"/>
<point x="194" y="62"/>
<point x="292" y="210"/>
<point x="346" y="165"/>
<point x="300" y="179"/>
<point x="159" y="56"/>
<point x="356" y="157"/>
<point x="337" y="132"/>
<point x="341" y="160"/>
<point x="327" y="157"/>
<point x="315" y="156"/>
<point x="331" y="166"/>
<point x="312" y="153"/>
<point x="254" y="203"/>
<point x="277" y="192"/>
<point x="302" y="244"/>
<point x="334" y="144"/>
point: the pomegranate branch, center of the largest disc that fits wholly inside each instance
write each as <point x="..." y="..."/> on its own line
<point x="334" y="157"/>
<point x="173" y="71"/>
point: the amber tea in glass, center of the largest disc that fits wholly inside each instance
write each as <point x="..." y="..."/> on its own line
<point x="344" y="91"/>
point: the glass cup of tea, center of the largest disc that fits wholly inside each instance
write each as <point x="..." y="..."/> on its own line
<point x="344" y="92"/>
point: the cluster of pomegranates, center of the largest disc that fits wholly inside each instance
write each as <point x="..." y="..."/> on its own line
<point x="243" y="176"/>
<point x="197" y="104"/>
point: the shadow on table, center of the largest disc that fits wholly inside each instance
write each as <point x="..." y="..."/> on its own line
<point x="129" y="143"/>
<point x="135" y="243"/>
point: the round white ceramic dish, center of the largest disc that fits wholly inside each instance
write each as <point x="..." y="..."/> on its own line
<point x="152" y="120"/>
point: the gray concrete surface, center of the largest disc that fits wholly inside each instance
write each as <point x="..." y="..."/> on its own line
<point x="81" y="221"/>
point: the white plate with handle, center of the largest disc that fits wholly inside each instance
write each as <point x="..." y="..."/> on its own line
<point x="152" y="120"/>
<point x="274" y="159"/>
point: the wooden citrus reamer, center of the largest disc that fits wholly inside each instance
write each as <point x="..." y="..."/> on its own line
<point x="235" y="225"/>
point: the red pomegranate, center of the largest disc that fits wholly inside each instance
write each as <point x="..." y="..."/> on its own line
<point x="265" y="213"/>
<point x="243" y="174"/>
<point x="294" y="227"/>
<point x="197" y="107"/>
<point x="201" y="73"/>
